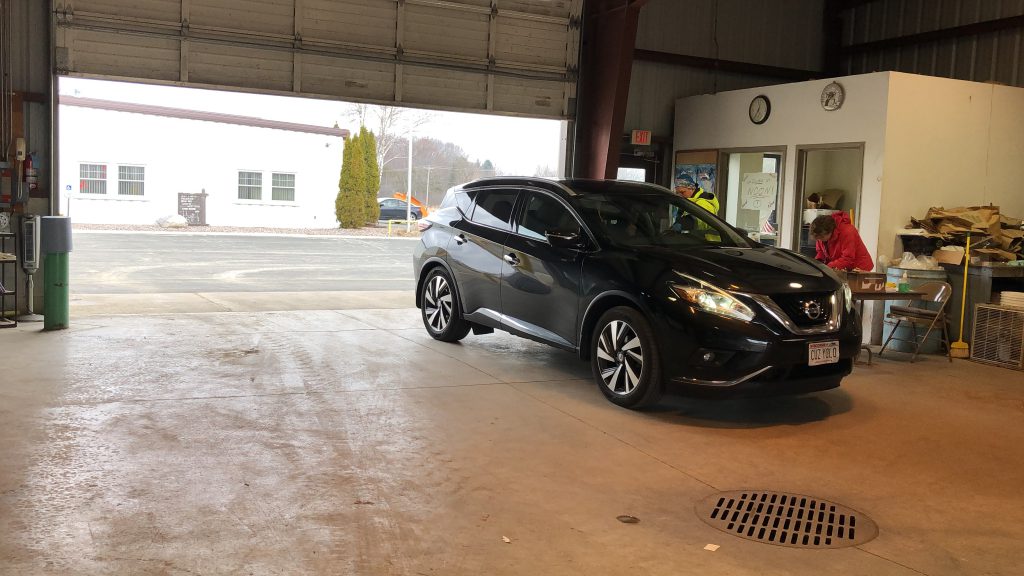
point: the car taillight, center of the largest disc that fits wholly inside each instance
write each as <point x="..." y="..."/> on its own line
<point x="423" y="225"/>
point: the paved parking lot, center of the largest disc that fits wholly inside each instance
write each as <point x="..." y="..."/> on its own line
<point x="153" y="263"/>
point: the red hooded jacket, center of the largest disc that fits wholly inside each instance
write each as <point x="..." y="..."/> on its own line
<point x="844" y="250"/>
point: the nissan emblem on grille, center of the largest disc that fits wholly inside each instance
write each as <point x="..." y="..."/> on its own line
<point x="812" y="309"/>
<point x="791" y="520"/>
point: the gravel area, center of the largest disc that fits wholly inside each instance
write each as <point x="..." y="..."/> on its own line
<point x="397" y="230"/>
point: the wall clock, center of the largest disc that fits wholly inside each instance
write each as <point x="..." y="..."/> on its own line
<point x="760" y="109"/>
<point x="832" y="96"/>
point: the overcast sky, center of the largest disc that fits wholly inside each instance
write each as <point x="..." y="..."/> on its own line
<point x="514" y="145"/>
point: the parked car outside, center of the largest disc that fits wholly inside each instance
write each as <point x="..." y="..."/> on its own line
<point x="395" y="209"/>
<point x="656" y="292"/>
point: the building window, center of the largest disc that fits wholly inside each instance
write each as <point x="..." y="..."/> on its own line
<point x="93" y="178"/>
<point x="250" y="185"/>
<point x="131" y="180"/>
<point x="283" y="187"/>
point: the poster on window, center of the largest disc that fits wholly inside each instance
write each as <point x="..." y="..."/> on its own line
<point x="695" y="169"/>
<point x="759" y="191"/>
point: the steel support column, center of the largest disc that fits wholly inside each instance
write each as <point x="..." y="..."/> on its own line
<point x="609" y="36"/>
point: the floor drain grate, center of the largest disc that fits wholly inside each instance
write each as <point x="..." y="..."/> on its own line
<point x="792" y="520"/>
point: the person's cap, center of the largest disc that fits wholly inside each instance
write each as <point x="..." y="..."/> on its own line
<point x="685" y="180"/>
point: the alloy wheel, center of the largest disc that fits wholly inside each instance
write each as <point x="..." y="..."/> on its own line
<point x="437" y="303"/>
<point x="620" y="357"/>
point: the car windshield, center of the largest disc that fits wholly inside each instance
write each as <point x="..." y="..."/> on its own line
<point x="654" y="219"/>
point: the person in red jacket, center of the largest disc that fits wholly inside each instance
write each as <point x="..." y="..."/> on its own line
<point x="839" y="245"/>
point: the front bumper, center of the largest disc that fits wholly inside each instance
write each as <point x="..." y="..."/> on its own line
<point x="704" y="355"/>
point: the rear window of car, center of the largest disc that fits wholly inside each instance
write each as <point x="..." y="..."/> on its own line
<point x="456" y="197"/>
<point x="494" y="208"/>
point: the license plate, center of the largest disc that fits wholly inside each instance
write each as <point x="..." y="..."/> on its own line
<point x="819" y="353"/>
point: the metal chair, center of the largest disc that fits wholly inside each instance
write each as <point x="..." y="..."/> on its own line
<point x="934" y="292"/>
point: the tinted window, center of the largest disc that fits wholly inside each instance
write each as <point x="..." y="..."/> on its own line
<point x="545" y="214"/>
<point x="494" y="208"/>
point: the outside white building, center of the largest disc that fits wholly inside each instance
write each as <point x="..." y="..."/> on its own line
<point x="123" y="163"/>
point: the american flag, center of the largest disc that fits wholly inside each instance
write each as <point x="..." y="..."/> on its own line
<point x="767" y="227"/>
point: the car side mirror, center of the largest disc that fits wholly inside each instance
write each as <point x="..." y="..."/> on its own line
<point x="566" y="240"/>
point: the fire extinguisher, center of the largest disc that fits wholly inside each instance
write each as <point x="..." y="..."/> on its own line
<point x="31" y="174"/>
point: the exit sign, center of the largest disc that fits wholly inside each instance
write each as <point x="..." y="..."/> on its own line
<point x="641" y="137"/>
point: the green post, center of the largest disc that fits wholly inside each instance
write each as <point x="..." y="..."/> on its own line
<point x="55" y="240"/>
<point x="56" y="295"/>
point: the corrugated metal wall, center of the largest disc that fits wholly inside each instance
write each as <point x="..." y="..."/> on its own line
<point x="29" y="59"/>
<point x="990" y="56"/>
<point x="782" y="33"/>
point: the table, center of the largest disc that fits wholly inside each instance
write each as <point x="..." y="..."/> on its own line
<point x="861" y="297"/>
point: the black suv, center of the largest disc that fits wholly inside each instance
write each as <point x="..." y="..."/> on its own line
<point x="651" y="288"/>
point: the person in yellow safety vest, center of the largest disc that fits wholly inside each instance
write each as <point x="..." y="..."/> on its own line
<point x="687" y="188"/>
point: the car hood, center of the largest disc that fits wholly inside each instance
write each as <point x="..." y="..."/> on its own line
<point x="761" y="270"/>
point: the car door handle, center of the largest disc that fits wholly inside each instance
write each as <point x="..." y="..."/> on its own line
<point x="461" y="239"/>
<point x="512" y="259"/>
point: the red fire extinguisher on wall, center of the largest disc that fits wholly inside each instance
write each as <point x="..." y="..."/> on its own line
<point x="31" y="174"/>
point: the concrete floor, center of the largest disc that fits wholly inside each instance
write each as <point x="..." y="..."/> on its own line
<point x="346" y="441"/>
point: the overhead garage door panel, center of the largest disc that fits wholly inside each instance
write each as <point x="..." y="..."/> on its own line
<point x="263" y="16"/>
<point x="124" y="54"/>
<point x="156" y="10"/>
<point x="444" y="88"/>
<point x="349" y="79"/>
<point x="431" y="30"/>
<point x="529" y="97"/>
<point x="557" y="8"/>
<point x="518" y="57"/>
<point x="522" y="41"/>
<point x="365" y="22"/>
<point x="240" y="66"/>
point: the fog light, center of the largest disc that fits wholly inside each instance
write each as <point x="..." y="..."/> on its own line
<point x="709" y="357"/>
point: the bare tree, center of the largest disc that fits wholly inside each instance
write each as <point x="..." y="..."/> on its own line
<point x="390" y="125"/>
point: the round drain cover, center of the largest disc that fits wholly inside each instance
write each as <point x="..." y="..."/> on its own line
<point x="792" y="520"/>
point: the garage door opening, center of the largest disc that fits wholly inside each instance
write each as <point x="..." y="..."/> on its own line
<point x="180" y="190"/>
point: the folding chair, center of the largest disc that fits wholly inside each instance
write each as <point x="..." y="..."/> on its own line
<point x="934" y="292"/>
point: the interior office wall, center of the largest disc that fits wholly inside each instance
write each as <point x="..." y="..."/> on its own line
<point x="797" y="119"/>
<point x="950" y="143"/>
<point x="1005" y="186"/>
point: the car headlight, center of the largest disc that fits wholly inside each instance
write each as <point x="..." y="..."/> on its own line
<point x="713" y="300"/>
<point x="847" y="297"/>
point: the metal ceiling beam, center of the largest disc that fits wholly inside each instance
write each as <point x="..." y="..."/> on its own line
<point x="985" y="27"/>
<point x="726" y="65"/>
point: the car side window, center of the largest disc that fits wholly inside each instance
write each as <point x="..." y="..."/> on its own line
<point x="545" y="214"/>
<point x="494" y="208"/>
<point x="390" y="203"/>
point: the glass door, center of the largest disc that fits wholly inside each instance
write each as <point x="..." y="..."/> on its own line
<point x="751" y="197"/>
<point x="829" y="180"/>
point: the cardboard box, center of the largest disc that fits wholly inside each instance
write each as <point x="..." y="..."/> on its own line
<point x="955" y="257"/>
<point x="866" y="281"/>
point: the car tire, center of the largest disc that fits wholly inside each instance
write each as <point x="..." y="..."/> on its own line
<point x="440" y="310"/>
<point x="624" y="358"/>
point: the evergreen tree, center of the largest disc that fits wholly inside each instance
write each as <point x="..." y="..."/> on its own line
<point x="349" y="206"/>
<point x="369" y="145"/>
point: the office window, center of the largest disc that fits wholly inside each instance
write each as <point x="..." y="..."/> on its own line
<point x="131" y="180"/>
<point x="93" y="178"/>
<point x="250" y="185"/>
<point x="283" y="187"/>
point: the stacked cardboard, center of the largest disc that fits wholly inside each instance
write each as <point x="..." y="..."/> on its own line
<point x="994" y="236"/>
